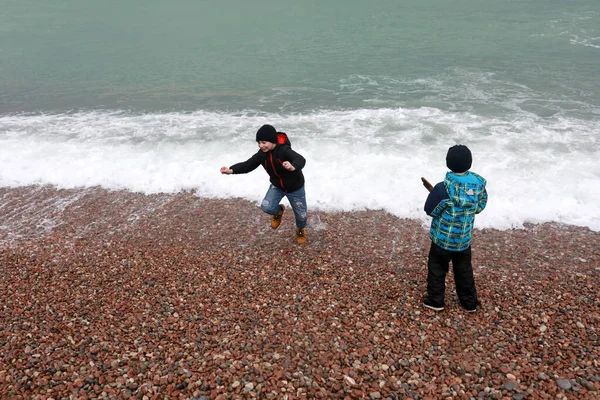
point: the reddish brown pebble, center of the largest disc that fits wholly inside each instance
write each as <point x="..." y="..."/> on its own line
<point x="118" y="294"/>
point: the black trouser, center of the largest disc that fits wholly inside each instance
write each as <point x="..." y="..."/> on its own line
<point x="437" y="268"/>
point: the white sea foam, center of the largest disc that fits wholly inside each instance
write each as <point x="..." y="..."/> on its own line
<point x="538" y="169"/>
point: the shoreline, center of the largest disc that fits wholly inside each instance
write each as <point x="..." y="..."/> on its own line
<point x="113" y="293"/>
<point x="32" y="211"/>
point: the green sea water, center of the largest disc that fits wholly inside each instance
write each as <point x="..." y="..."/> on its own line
<point x="155" y="96"/>
<point x="489" y="57"/>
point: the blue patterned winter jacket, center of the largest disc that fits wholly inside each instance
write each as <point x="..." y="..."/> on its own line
<point x="453" y="205"/>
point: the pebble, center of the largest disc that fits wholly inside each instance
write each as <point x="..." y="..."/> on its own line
<point x="187" y="299"/>
<point x="349" y="380"/>
<point x="589" y="385"/>
<point x="564" y="384"/>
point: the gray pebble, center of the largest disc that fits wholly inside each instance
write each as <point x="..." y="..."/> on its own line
<point x="563" y="384"/>
<point x="589" y="386"/>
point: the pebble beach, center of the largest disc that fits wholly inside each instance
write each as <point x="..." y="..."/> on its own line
<point x="115" y="295"/>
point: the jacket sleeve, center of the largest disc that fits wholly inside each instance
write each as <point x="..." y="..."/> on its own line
<point x="294" y="158"/>
<point x="483" y="197"/>
<point x="435" y="197"/>
<point x="247" y="166"/>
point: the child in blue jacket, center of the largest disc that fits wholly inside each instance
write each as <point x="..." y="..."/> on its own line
<point x="453" y="205"/>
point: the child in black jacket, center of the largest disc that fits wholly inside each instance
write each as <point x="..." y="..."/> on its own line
<point x="284" y="167"/>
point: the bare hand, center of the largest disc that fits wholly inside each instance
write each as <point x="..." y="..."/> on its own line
<point x="226" y="171"/>
<point x="288" y="165"/>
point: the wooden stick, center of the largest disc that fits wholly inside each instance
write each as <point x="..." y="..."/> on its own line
<point x="427" y="185"/>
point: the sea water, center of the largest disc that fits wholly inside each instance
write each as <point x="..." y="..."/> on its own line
<point x="154" y="96"/>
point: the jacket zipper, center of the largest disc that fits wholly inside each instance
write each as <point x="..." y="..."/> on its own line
<point x="275" y="172"/>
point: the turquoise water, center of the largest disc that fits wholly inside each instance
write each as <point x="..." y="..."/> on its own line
<point x="156" y="96"/>
<point x="292" y="56"/>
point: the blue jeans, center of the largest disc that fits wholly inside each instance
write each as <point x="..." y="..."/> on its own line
<point x="297" y="199"/>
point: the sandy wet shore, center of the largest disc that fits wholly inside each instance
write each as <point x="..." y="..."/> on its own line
<point x="119" y="295"/>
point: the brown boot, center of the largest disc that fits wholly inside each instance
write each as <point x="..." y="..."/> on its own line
<point x="301" y="235"/>
<point x="276" y="219"/>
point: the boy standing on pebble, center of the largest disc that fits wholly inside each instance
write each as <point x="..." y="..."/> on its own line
<point x="284" y="167"/>
<point x="453" y="205"/>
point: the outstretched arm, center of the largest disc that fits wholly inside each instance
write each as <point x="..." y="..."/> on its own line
<point x="244" y="167"/>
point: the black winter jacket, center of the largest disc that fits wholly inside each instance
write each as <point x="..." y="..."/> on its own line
<point x="288" y="181"/>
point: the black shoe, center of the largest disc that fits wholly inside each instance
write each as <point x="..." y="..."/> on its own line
<point x="432" y="306"/>
<point x="472" y="309"/>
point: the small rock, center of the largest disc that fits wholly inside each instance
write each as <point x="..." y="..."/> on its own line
<point x="349" y="380"/>
<point x="510" y="385"/>
<point x="588" y="385"/>
<point x="563" y="384"/>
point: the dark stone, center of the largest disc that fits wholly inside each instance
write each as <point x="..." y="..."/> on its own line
<point x="564" y="384"/>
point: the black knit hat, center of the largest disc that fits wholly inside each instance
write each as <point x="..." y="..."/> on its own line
<point x="459" y="158"/>
<point x="266" y="133"/>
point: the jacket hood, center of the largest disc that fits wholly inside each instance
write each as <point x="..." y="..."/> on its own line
<point x="464" y="190"/>
<point x="283" y="140"/>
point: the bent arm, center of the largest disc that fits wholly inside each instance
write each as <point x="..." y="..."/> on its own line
<point x="435" y="197"/>
<point x="483" y="198"/>
<point x="297" y="161"/>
